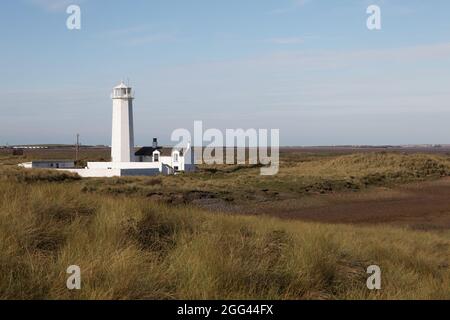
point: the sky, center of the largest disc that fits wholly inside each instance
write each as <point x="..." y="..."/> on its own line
<point x="310" y="68"/>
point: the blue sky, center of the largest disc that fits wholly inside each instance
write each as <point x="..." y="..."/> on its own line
<point x="310" y="68"/>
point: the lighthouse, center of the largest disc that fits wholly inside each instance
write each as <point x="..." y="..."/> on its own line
<point x="122" y="147"/>
<point x="157" y="160"/>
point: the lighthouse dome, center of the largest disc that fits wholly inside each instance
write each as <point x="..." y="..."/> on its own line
<point x="122" y="91"/>
<point x="121" y="86"/>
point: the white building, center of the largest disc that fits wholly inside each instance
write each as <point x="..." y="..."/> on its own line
<point x="48" y="164"/>
<point x="176" y="159"/>
<point x="151" y="160"/>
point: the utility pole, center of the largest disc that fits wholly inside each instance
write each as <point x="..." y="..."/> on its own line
<point x="77" y="148"/>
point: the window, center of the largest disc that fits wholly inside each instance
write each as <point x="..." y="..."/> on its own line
<point x="155" y="157"/>
<point x="175" y="157"/>
<point x="121" y="92"/>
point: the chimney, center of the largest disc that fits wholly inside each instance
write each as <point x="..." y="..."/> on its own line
<point x="155" y="142"/>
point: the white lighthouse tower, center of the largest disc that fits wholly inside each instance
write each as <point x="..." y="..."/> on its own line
<point x="122" y="148"/>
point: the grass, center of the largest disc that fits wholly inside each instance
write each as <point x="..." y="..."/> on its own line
<point x="135" y="248"/>
<point x="145" y="238"/>
<point x="37" y="175"/>
<point x="308" y="175"/>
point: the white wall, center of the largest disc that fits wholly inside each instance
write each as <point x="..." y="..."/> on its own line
<point x="184" y="163"/>
<point x="108" y="173"/>
<point x="94" y="173"/>
<point x="124" y="165"/>
<point x="144" y="158"/>
<point x="48" y="164"/>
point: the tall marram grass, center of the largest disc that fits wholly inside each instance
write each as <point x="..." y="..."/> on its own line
<point x="132" y="248"/>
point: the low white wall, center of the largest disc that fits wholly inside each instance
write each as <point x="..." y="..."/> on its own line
<point x="108" y="173"/>
<point x="124" y="165"/>
<point x="48" y="164"/>
<point x="139" y="172"/>
<point x="95" y="173"/>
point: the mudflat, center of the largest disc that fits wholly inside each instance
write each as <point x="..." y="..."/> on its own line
<point x="420" y="205"/>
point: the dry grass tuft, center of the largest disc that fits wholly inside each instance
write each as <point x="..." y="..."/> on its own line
<point x="37" y="175"/>
<point x="131" y="247"/>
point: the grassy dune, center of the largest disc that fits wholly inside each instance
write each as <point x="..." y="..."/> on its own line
<point x="306" y="175"/>
<point x="135" y="248"/>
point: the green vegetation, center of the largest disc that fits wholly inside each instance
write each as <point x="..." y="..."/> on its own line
<point x="307" y="175"/>
<point x="130" y="246"/>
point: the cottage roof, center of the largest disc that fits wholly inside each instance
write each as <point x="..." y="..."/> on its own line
<point x="165" y="152"/>
<point x="146" y="151"/>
